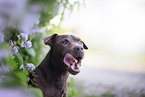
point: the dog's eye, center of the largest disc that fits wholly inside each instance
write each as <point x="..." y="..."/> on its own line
<point x="80" y="42"/>
<point x="65" y="42"/>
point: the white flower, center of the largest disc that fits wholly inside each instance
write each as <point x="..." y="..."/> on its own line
<point x="18" y="36"/>
<point x="15" y="50"/>
<point x="11" y="43"/>
<point x="22" y="44"/>
<point x="35" y="8"/>
<point x="28" y="79"/>
<point x="22" y="66"/>
<point x="41" y="30"/>
<point x="28" y="22"/>
<point x="1" y="37"/>
<point x="28" y="44"/>
<point x="30" y="66"/>
<point x="24" y="36"/>
<point x="34" y="30"/>
<point x="12" y="56"/>
<point x="25" y="28"/>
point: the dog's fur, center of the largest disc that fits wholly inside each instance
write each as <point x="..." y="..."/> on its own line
<point x="64" y="57"/>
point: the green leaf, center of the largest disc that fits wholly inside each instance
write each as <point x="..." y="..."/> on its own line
<point x="73" y="92"/>
<point x="37" y="92"/>
<point x="12" y="63"/>
<point x="31" y="52"/>
<point x="18" y="58"/>
<point x="36" y="61"/>
<point x="21" y="76"/>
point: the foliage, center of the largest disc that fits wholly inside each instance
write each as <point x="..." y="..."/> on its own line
<point x="71" y="91"/>
<point x="23" y="24"/>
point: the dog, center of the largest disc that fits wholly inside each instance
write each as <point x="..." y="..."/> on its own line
<point x="65" y="56"/>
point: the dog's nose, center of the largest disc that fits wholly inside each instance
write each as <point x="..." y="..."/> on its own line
<point x="78" y="48"/>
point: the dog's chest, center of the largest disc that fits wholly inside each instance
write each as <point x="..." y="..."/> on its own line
<point x="61" y="87"/>
<point x="60" y="83"/>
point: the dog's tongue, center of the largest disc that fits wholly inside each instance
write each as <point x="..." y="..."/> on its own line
<point x="69" y="60"/>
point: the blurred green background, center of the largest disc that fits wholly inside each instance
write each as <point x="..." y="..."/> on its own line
<point x="114" y="65"/>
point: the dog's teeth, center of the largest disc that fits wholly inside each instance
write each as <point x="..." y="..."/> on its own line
<point x="72" y="67"/>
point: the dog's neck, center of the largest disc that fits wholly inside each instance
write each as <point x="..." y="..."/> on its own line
<point x="50" y="77"/>
<point x="54" y="68"/>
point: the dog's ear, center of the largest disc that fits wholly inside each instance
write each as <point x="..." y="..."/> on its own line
<point x="85" y="46"/>
<point x="50" y="39"/>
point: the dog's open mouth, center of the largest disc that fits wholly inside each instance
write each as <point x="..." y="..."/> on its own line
<point x="72" y="63"/>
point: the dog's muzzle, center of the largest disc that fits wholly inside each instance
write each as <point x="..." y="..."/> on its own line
<point x="73" y="64"/>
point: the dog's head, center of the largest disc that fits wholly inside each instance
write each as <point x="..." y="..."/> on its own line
<point x="68" y="50"/>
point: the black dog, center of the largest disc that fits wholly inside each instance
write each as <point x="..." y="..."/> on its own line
<point x="64" y="57"/>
